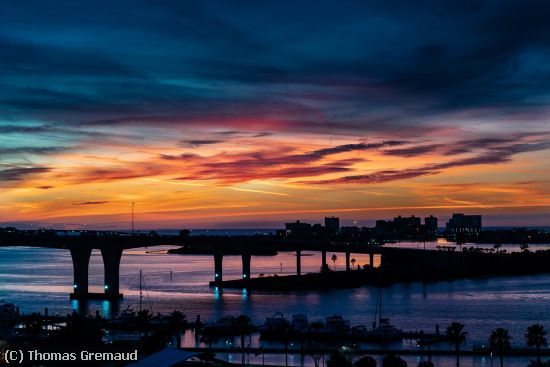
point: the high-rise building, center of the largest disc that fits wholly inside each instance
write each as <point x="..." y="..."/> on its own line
<point x="467" y="224"/>
<point x="406" y="225"/>
<point x="298" y="229"/>
<point x="332" y="224"/>
<point x="430" y="224"/>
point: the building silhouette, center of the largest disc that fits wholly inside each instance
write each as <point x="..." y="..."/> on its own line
<point x="298" y="229"/>
<point x="332" y="225"/>
<point x="467" y="225"/>
<point x="430" y="226"/>
<point x="400" y="228"/>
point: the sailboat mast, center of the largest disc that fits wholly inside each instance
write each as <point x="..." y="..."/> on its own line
<point x="380" y="296"/>
<point x="140" y="291"/>
<point x="380" y="304"/>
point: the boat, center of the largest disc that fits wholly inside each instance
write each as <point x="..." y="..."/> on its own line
<point x="386" y="332"/>
<point x="383" y="331"/>
<point x="336" y="325"/>
<point x="223" y="326"/>
<point x="275" y="326"/>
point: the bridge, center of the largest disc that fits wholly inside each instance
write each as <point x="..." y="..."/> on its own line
<point x="112" y="244"/>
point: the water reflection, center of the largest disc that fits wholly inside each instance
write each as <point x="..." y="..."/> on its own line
<point x="520" y="301"/>
<point x="110" y="308"/>
<point x="217" y="294"/>
<point x="80" y="306"/>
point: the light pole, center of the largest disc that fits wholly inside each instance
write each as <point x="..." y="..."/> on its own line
<point x="133" y="217"/>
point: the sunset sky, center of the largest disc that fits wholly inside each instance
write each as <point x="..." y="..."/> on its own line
<point x="252" y="113"/>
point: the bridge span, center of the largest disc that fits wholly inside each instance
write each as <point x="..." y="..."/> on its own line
<point x="111" y="245"/>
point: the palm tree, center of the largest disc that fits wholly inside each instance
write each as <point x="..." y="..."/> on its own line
<point x="334" y="258"/>
<point x="460" y="239"/>
<point x="353" y="261"/>
<point x="456" y="335"/>
<point x="536" y="337"/>
<point x="176" y="324"/>
<point x="244" y="327"/>
<point x="210" y="336"/>
<point x="285" y="330"/>
<point x="500" y="341"/>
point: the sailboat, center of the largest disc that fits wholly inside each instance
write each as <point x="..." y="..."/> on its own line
<point x="141" y="286"/>
<point x="384" y="331"/>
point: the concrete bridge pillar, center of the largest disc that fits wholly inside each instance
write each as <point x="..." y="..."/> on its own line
<point x="371" y="260"/>
<point x="218" y="267"/>
<point x="323" y="259"/>
<point x="111" y="264"/>
<point x="81" y="260"/>
<point x="347" y="261"/>
<point x="246" y="265"/>
<point x="298" y="262"/>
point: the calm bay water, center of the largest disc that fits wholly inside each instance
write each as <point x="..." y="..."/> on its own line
<point x="34" y="278"/>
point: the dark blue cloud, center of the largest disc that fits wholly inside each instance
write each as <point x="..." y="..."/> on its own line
<point x="368" y="67"/>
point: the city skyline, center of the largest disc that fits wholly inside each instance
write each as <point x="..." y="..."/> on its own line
<point x="210" y="114"/>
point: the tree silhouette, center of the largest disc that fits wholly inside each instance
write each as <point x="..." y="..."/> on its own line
<point x="316" y="354"/>
<point x="542" y="364"/>
<point x="366" y="361"/>
<point x="33" y="324"/>
<point x="81" y="330"/>
<point x="177" y="323"/>
<point x="243" y="325"/>
<point x="536" y="337"/>
<point x="338" y="360"/>
<point x="456" y="335"/>
<point x="500" y="341"/>
<point x="353" y="261"/>
<point x="393" y="361"/>
<point x="334" y="258"/>
<point x="210" y="336"/>
<point x="316" y="358"/>
<point x="460" y="239"/>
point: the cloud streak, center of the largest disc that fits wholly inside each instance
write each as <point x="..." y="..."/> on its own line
<point x="91" y="203"/>
<point x="21" y="173"/>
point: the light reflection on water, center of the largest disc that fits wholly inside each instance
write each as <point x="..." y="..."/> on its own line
<point x="35" y="278"/>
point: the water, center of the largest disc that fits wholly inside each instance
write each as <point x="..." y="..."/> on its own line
<point x="34" y="278"/>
